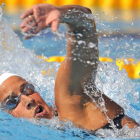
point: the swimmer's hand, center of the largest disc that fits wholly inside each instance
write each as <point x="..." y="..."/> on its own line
<point x="38" y="18"/>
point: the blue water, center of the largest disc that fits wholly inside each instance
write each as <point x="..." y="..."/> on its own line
<point x="117" y="85"/>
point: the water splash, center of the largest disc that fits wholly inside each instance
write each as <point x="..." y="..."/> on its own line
<point x="116" y="84"/>
<point x="17" y="59"/>
<point x="2" y="5"/>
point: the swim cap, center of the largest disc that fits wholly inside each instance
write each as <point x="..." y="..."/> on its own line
<point x="5" y="76"/>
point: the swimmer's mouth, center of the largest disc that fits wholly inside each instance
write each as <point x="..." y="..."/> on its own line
<point x="40" y="111"/>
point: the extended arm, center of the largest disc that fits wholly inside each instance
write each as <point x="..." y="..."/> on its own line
<point x="81" y="61"/>
<point x="82" y="48"/>
<point x="82" y="51"/>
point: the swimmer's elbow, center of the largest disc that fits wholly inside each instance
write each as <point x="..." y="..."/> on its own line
<point x="82" y="8"/>
<point x="88" y="10"/>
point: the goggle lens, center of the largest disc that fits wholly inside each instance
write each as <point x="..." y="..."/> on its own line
<point x="29" y="89"/>
<point x="10" y="104"/>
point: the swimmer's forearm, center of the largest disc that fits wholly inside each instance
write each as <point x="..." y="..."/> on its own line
<point x="82" y="43"/>
<point x="81" y="35"/>
<point x="82" y="47"/>
<point x="76" y="16"/>
<point x="66" y="8"/>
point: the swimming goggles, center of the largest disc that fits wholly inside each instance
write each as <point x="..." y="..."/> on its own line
<point x="12" y="102"/>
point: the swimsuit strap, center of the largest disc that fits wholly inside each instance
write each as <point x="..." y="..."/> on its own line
<point x="118" y="121"/>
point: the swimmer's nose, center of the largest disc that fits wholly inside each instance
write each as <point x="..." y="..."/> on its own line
<point x="28" y="102"/>
<point x="31" y="104"/>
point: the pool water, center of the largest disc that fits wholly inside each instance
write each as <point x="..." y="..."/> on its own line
<point x="23" y="61"/>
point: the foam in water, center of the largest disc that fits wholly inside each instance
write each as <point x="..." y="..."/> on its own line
<point x="115" y="83"/>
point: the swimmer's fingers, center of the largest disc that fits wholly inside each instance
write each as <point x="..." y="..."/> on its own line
<point x="32" y="33"/>
<point x="40" y="27"/>
<point x="37" y="13"/>
<point x="28" y="37"/>
<point x="53" y="19"/>
<point x="27" y="28"/>
<point x="27" y="21"/>
<point x="27" y="13"/>
<point x="55" y="25"/>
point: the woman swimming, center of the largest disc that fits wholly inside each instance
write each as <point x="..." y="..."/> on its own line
<point x="76" y="97"/>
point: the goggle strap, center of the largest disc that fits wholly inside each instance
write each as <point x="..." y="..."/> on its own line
<point x="17" y="99"/>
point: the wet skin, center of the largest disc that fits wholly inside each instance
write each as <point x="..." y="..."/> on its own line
<point x="28" y="106"/>
<point x="71" y="101"/>
<point x="33" y="106"/>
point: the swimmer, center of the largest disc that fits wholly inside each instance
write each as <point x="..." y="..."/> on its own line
<point x="75" y="77"/>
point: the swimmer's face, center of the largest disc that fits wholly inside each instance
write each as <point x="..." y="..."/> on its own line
<point x="28" y="106"/>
